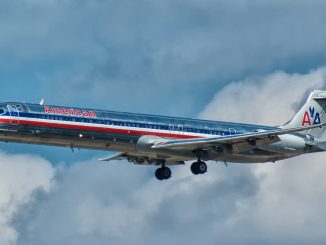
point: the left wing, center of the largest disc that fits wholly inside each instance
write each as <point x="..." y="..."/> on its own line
<point x="253" y="140"/>
<point x="141" y="159"/>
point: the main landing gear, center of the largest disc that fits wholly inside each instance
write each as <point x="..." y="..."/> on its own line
<point x="163" y="173"/>
<point x="199" y="167"/>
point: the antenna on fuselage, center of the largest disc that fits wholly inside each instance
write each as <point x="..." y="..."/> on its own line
<point x="42" y="102"/>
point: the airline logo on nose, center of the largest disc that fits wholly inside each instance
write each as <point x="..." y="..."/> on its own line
<point x="311" y="117"/>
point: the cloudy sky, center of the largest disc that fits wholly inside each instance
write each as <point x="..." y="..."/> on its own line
<point x="242" y="60"/>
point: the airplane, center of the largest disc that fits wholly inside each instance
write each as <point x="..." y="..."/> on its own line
<point x="163" y="141"/>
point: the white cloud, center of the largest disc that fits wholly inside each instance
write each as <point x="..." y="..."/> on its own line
<point x="289" y="205"/>
<point x="20" y="177"/>
<point x="291" y="199"/>
<point x="270" y="100"/>
<point x="95" y="203"/>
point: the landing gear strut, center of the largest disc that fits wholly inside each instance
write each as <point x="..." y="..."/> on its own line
<point x="163" y="173"/>
<point x="199" y="167"/>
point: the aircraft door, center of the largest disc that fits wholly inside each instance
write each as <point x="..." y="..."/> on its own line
<point x="171" y="128"/>
<point x="180" y="129"/>
<point x="14" y="114"/>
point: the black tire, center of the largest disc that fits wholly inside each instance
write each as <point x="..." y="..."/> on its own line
<point x="163" y="173"/>
<point x="202" y="167"/>
<point x="166" y="173"/>
<point x="194" y="168"/>
<point x="199" y="168"/>
<point x="158" y="174"/>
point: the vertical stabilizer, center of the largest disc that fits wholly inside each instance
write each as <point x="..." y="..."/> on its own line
<point x="312" y="113"/>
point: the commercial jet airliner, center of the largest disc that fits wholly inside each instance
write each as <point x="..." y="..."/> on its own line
<point x="163" y="141"/>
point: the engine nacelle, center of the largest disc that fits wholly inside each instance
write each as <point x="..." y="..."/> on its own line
<point x="288" y="144"/>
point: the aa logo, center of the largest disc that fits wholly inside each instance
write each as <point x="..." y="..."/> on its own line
<point x="311" y="117"/>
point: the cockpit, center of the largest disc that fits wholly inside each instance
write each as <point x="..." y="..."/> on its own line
<point x="12" y="109"/>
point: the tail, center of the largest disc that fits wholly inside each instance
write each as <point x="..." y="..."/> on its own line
<point x="312" y="113"/>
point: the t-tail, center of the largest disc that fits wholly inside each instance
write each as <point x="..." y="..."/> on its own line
<point x="312" y="113"/>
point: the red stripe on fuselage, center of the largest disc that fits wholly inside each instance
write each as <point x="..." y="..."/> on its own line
<point x="97" y="129"/>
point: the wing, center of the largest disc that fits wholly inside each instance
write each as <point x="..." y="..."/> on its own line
<point x="248" y="140"/>
<point x="141" y="159"/>
<point x="117" y="156"/>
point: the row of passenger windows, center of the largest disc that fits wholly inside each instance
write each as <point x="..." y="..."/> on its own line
<point x="136" y="125"/>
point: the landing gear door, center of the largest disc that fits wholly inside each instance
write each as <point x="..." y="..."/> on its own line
<point x="14" y="114"/>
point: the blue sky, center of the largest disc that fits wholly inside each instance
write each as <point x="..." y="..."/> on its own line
<point x="208" y="58"/>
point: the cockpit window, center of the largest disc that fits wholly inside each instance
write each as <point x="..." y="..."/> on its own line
<point x="2" y="111"/>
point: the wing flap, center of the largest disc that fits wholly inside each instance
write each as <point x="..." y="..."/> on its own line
<point x="117" y="156"/>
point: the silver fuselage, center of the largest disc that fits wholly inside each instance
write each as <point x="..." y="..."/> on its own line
<point x="118" y="131"/>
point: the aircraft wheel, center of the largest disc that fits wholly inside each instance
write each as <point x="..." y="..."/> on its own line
<point x="199" y="168"/>
<point x="166" y="172"/>
<point x="202" y="166"/>
<point x="158" y="174"/>
<point x="163" y="173"/>
<point x="194" y="168"/>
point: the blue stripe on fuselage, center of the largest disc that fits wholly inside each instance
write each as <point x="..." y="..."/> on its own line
<point x="157" y="122"/>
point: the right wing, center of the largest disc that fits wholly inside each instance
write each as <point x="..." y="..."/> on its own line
<point x="253" y="140"/>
